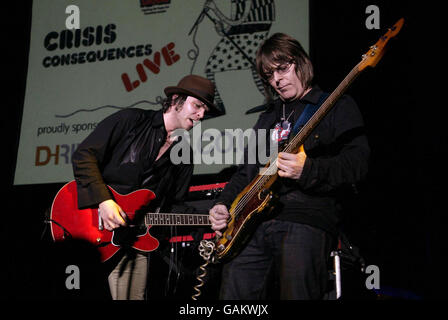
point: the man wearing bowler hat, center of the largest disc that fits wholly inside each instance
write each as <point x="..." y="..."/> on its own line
<point x="130" y="150"/>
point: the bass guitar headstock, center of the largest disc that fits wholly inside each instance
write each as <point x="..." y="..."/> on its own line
<point x="376" y="52"/>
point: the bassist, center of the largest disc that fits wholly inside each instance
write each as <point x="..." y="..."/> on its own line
<point x="293" y="246"/>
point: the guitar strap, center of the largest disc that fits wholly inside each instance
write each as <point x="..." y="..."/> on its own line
<point x="307" y="113"/>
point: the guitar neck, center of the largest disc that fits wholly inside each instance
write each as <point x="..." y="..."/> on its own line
<point x="299" y="139"/>
<point x="306" y="130"/>
<point x="174" y="219"/>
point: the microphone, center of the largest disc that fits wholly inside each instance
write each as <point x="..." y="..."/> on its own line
<point x="198" y="20"/>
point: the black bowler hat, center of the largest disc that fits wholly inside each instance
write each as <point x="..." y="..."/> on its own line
<point x="198" y="87"/>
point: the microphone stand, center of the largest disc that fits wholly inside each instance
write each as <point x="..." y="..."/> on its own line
<point x="259" y="108"/>
<point x="198" y="20"/>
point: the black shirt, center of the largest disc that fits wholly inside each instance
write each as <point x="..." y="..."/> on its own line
<point x="337" y="155"/>
<point x="121" y="152"/>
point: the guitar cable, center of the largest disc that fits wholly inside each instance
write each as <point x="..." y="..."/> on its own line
<point x="66" y="235"/>
<point x="206" y="249"/>
<point x="172" y="262"/>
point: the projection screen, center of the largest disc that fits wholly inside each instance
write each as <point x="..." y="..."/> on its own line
<point x="124" y="53"/>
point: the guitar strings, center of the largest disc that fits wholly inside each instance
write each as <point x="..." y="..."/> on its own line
<point x="300" y="136"/>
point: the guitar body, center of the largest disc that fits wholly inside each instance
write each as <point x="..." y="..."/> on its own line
<point x="84" y="224"/>
<point x="247" y="210"/>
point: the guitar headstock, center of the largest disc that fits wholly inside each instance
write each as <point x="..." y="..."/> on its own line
<point x="376" y="52"/>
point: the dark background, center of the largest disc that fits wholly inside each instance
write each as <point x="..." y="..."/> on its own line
<point x="397" y="219"/>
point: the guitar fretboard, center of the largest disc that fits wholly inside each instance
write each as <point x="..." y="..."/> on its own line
<point x="173" y="219"/>
<point x="298" y="139"/>
<point x="305" y="131"/>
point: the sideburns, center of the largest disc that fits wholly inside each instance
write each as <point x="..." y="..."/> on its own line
<point x="178" y="101"/>
<point x="178" y="106"/>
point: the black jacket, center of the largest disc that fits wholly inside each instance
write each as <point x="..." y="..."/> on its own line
<point x="337" y="156"/>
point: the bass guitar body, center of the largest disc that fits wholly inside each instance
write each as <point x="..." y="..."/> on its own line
<point x="249" y="208"/>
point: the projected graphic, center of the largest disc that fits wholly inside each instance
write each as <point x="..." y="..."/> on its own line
<point x="125" y="53"/>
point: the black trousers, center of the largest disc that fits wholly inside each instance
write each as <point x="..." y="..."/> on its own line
<point x="290" y="257"/>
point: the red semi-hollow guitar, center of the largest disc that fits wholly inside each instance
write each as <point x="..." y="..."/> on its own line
<point x="67" y="221"/>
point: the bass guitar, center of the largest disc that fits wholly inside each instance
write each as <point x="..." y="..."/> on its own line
<point x="254" y="202"/>
<point x="67" y="221"/>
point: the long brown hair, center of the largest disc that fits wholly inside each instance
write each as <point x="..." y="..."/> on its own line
<point x="281" y="48"/>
